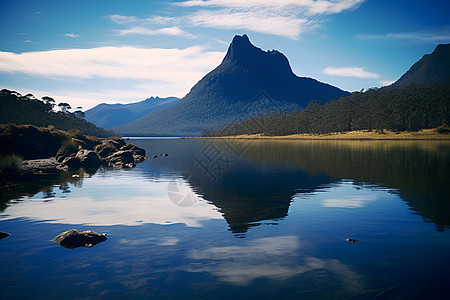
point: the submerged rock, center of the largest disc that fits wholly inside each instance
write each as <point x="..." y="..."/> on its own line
<point x="3" y="235"/>
<point x="74" y="238"/>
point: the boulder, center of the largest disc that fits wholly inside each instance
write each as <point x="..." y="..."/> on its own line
<point x="74" y="238"/>
<point x="72" y="162"/>
<point x="3" y="235"/>
<point x="124" y="157"/>
<point x="88" y="159"/>
<point x="138" y="158"/>
<point x="107" y="147"/>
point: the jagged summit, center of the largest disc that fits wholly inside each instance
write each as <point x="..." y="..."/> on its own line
<point x="243" y="53"/>
<point x="432" y="69"/>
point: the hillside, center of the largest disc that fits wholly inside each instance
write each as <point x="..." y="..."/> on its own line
<point x="432" y="69"/>
<point x="18" y="109"/>
<point x="248" y="82"/>
<point x="409" y="108"/>
<point x="110" y="115"/>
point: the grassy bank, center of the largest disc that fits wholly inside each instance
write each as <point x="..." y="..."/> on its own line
<point x="425" y="134"/>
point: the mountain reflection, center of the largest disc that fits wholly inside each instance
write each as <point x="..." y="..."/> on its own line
<point x="418" y="170"/>
<point x="264" y="175"/>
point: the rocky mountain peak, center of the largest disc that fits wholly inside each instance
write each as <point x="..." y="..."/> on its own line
<point x="243" y="53"/>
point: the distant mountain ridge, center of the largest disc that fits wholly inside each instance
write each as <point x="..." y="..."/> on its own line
<point x="248" y="79"/>
<point x="110" y="115"/>
<point x="432" y="69"/>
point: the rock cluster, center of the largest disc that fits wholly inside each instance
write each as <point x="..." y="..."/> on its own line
<point x="74" y="238"/>
<point x="110" y="152"/>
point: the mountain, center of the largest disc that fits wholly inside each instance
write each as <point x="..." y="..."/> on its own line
<point x="248" y="82"/>
<point x="420" y="99"/>
<point x="432" y="69"/>
<point x="110" y="115"/>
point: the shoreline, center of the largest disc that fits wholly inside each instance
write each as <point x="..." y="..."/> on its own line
<point x="361" y="135"/>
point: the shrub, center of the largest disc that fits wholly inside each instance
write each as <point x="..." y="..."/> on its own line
<point x="9" y="163"/>
<point x="443" y="129"/>
<point x="67" y="148"/>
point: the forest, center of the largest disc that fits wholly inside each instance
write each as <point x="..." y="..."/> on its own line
<point x="394" y="108"/>
<point x="18" y="109"/>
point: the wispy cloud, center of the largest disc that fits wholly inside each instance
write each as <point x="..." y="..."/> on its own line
<point x="386" y="82"/>
<point x="357" y="72"/>
<point x="269" y="23"/>
<point x="113" y="62"/>
<point x="310" y="7"/>
<point x="72" y="35"/>
<point x="170" y="31"/>
<point x="286" y="18"/>
<point x="432" y="37"/>
<point x="119" y="19"/>
<point x="155" y="71"/>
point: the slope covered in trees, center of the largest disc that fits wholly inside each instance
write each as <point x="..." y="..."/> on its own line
<point x="18" y="109"/>
<point x="394" y="108"/>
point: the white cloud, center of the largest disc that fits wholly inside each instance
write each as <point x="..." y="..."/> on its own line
<point x="387" y="82"/>
<point x="286" y="26"/>
<point x="307" y="6"/>
<point x="357" y="72"/>
<point x="120" y="73"/>
<point x="119" y="19"/>
<point x="286" y="18"/>
<point x="72" y="35"/>
<point x="171" y="31"/>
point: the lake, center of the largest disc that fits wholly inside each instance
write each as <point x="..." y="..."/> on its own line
<point x="240" y="219"/>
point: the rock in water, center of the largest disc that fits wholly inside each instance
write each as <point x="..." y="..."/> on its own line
<point x="3" y="235"/>
<point x="352" y="240"/>
<point x="74" y="238"/>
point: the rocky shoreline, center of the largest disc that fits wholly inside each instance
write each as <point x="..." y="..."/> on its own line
<point x="114" y="153"/>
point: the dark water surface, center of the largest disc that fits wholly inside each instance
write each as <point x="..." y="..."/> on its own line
<point x="239" y="219"/>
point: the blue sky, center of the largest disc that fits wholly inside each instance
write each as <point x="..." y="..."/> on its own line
<point x="87" y="52"/>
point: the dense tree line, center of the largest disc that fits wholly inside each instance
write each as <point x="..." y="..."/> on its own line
<point x="18" y="109"/>
<point x="393" y="108"/>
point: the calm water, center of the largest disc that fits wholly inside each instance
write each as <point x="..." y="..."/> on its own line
<point x="239" y="219"/>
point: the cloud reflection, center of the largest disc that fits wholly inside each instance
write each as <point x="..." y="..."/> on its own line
<point x="351" y="202"/>
<point x="104" y="203"/>
<point x="274" y="258"/>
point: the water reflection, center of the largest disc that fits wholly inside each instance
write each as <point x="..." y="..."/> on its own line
<point x="276" y="258"/>
<point x="253" y="182"/>
<point x="103" y="201"/>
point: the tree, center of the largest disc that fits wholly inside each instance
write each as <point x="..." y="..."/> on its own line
<point x="49" y="101"/>
<point x="64" y="107"/>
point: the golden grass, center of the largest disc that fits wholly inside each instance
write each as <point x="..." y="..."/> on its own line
<point x="424" y="134"/>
